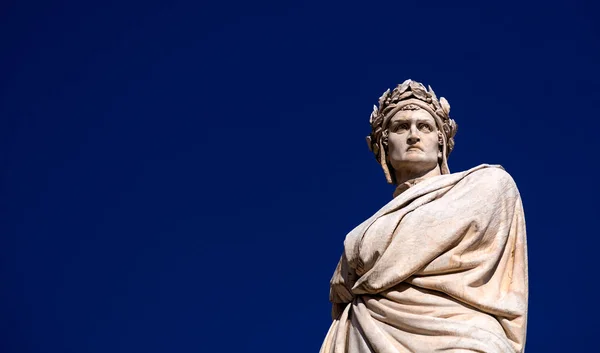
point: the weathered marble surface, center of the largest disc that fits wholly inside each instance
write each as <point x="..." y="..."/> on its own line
<point x="443" y="266"/>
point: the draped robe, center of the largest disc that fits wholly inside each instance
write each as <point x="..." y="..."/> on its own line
<point x="440" y="268"/>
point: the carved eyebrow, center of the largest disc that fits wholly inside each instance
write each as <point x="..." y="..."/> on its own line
<point x="400" y="120"/>
<point x="405" y="120"/>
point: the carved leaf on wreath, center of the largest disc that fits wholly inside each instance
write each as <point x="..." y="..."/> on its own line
<point x="403" y="87"/>
<point x="453" y="127"/>
<point x="373" y="114"/>
<point x="446" y="129"/>
<point x="445" y="106"/>
<point x="450" y="145"/>
<point x="405" y="95"/>
<point x="383" y="98"/>
<point x="376" y="122"/>
<point x="433" y="96"/>
<point x="418" y="90"/>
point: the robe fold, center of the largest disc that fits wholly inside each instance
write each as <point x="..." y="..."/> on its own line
<point x="440" y="268"/>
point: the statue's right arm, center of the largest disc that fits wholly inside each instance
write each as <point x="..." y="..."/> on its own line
<point x="340" y="290"/>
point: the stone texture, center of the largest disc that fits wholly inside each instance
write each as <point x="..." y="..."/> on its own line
<point x="443" y="266"/>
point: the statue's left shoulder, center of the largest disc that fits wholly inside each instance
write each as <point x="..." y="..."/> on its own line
<point x="491" y="172"/>
<point x="491" y="177"/>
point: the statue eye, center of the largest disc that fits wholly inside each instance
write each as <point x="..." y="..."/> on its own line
<point x="402" y="126"/>
<point x="425" y="127"/>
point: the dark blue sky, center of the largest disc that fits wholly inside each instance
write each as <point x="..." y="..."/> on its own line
<point x="179" y="177"/>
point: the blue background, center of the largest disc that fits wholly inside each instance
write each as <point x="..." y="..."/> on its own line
<point x="179" y="177"/>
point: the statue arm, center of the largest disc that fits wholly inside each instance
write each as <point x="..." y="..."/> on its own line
<point x="340" y="290"/>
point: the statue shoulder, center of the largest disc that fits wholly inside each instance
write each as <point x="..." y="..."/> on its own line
<point x="491" y="177"/>
<point x="492" y="172"/>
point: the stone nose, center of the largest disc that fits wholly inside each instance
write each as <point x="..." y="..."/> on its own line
<point x="413" y="136"/>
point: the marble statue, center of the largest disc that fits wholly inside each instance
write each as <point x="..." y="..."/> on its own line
<point x="443" y="266"/>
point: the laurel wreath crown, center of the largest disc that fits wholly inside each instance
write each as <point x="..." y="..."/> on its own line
<point x="410" y="89"/>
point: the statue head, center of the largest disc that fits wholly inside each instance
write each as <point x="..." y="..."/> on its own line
<point x="411" y="129"/>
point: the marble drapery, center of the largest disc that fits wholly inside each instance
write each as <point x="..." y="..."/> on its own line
<point x="440" y="268"/>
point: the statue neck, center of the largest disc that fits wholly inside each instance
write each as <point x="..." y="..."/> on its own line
<point x="406" y="175"/>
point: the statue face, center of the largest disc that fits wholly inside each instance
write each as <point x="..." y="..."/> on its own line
<point x="413" y="141"/>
